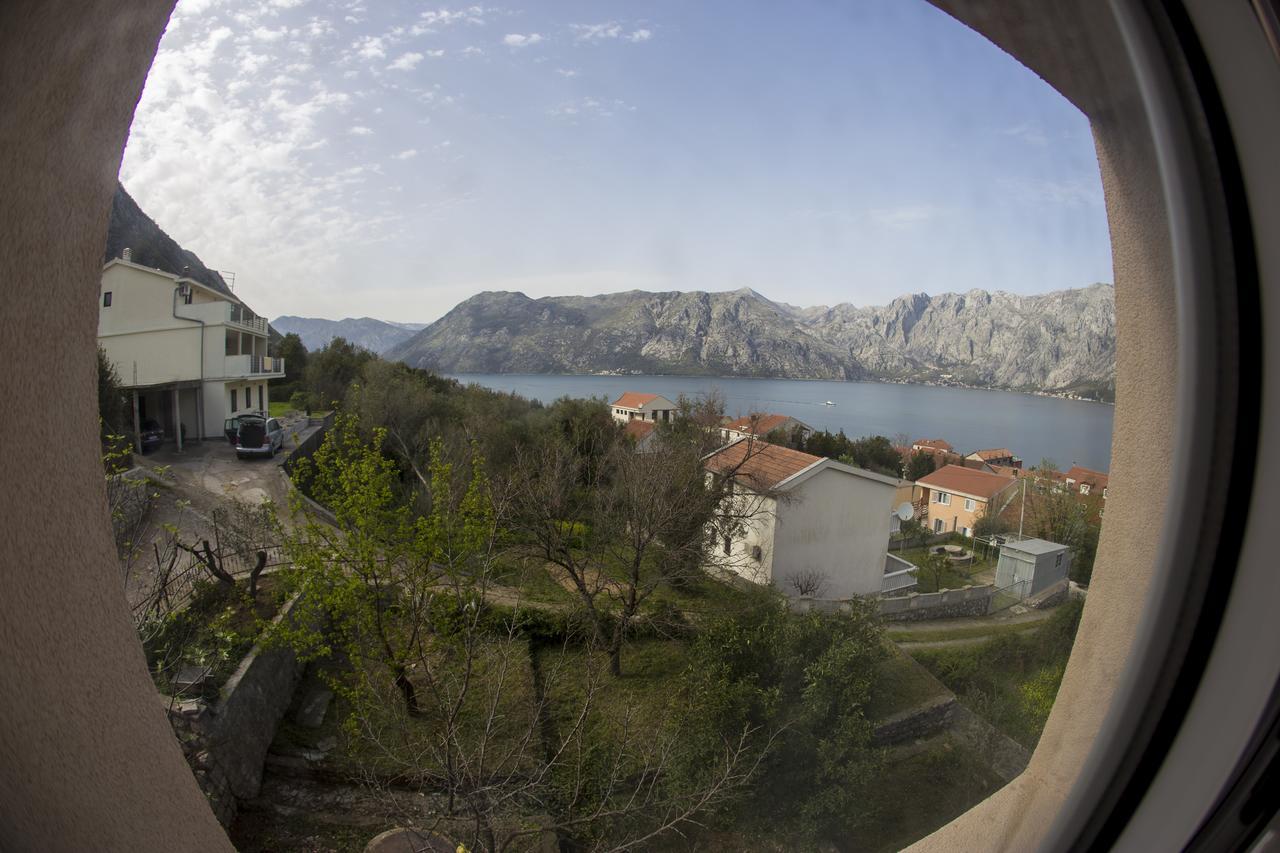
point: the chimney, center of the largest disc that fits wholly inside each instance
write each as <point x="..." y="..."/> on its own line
<point x="127" y="254"/>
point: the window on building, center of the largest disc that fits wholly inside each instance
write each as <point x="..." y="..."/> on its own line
<point x="943" y="498"/>
<point x="233" y="400"/>
<point x="965" y="531"/>
<point x="1084" y="488"/>
<point x="262" y="406"/>
<point x="1057" y="561"/>
<point x="106" y="299"/>
<point x="937" y="525"/>
<point x="969" y="504"/>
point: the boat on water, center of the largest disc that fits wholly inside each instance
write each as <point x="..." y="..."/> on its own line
<point x="828" y="403"/>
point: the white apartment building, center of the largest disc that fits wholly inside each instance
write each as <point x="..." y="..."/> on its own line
<point x="191" y="355"/>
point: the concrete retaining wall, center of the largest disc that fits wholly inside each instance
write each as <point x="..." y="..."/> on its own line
<point x="226" y="742"/>
<point x="916" y="722"/>
<point x="944" y="604"/>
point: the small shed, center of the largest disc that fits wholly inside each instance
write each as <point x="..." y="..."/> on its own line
<point x="1037" y="562"/>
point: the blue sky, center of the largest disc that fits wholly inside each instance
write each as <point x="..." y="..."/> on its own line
<point x="389" y="159"/>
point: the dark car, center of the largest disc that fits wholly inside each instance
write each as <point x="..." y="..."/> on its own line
<point x="151" y="435"/>
<point x="258" y="436"/>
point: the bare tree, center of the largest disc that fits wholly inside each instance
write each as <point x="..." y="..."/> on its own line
<point x="809" y="582"/>
<point x="618" y="531"/>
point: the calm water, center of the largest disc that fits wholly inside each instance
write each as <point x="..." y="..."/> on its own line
<point x="1066" y="431"/>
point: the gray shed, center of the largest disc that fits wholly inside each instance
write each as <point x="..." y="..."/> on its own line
<point x="1038" y="562"/>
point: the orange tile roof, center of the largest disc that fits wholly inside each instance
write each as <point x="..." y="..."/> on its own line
<point x="760" y="464"/>
<point x="993" y="453"/>
<point x="633" y="399"/>
<point x="936" y="444"/>
<point x="759" y="423"/>
<point x="1095" y="479"/>
<point x="969" y="481"/>
<point x="638" y="429"/>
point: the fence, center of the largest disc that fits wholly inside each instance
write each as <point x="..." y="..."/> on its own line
<point x="944" y="604"/>
<point x="173" y="588"/>
<point x="898" y="574"/>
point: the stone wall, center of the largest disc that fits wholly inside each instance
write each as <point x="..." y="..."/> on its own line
<point x="226" y="742"/>
<point x="944" y="604"/>
<point x="916" y="722"/>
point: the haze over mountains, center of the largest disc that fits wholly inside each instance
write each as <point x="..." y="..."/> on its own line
<point x="374" y="335"/>
<point x="1060" y="342"/>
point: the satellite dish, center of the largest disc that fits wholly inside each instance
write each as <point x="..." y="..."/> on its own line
<point x="906" y="511"/>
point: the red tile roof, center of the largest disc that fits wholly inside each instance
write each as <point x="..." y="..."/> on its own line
<point x="1097" y="480"/>
<point x="969" y="481"/>
<point x="633" y="399"/>
<point x="759" y="423"/>
<point x="936" y="444"/>
<point x="638" y="429"/>
<point x="759" y="464"/>
<point x="994" y="453"/>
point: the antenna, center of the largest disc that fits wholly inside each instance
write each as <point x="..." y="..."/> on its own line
<point x="905" y="511"/>
<point x="231" y="276"/>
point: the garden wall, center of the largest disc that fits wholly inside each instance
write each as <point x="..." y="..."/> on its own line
<point x="226" y="742"/>
<point x="944" y="604"/>
<point x="916" y="722"/>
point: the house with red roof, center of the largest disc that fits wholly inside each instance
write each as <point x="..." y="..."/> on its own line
<point x="637" y="405"/>
<point x="955" y="497"/>
<point x="995" y="457"/>
<point x="796" y="516"/>
<point x="643" y="433"/>
<point x="1086" y="481"/>
<point x="761" y="425"/>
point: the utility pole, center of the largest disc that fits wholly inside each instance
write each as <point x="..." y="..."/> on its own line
<point x="1022" y="510"/>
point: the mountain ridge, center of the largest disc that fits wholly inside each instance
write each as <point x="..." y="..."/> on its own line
<point x="1060" y="342"/>
<point x="366" y="332"/>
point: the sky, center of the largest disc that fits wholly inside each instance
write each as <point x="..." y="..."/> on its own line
<point x="350" y="158"/>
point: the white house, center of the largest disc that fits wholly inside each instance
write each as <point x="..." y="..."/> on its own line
<point x="191" y="355"/>
<point x="644" y="407"/>
<point x="761" y="424"/>
<point x="803" y="515"/>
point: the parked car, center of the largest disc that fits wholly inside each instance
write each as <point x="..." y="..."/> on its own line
<point x="152" y="434"/>
<point x="231" y="426"/>
<point x="258" y="436"/>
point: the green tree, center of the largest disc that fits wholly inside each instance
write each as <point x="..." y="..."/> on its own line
<point x="332" y="369"/>
<point x="115" y="410"/>
<point x="920" y="465"/>
<point x="799" y="683"/>
<point x="294" y="353"/>
<point x="1056" y="512"/>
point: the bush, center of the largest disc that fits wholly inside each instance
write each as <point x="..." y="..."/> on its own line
<point x="302" y="401"/>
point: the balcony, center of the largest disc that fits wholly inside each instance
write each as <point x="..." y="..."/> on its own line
<point x="255" y="365"/>
<point x="238" y="315"/>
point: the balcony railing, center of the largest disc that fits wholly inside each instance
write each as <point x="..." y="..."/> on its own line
<point x="254" y="365"/>
<point x="242" y="316"/>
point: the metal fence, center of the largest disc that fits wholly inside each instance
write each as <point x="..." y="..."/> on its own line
<point x="174" y="588"/>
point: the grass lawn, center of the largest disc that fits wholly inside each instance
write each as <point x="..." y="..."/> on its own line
<point x="921" y="632"/>
<point x="900" y="684"/>
<point x="278" y="409"/>
<point x="952" y="577"/>
<point x="920" y="790"/>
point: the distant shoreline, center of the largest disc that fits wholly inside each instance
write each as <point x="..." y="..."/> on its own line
<point x="1051" y="394"/>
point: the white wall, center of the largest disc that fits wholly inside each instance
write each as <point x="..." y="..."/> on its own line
<point x="837" y="523"/>
<point x="758" y="530"/>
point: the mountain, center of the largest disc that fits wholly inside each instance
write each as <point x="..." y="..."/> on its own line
<point x="1061" y="342"/>
<point x="131" y="228"/>
<point x="373" y="335"/>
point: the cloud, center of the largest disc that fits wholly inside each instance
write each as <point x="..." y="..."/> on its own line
<point x="590" y="107"/>
<point x="904" y="216"/>
<point x="360" y="130"/>
<point x="567" y="72"/>
<point x="432" y="20"/>
<point x="435" y="54"/>
<point x="264" y="34"/>
<point x="471" y="50"/>
<point x="1027" y="132"/>
<point x="1063" y="193"/>
<point x="405" y="62"/>
<point x="607" y="31"/>
<point x="521" y="40"/>
<point x="370" y="47"/>
<point x="407" y="154"/>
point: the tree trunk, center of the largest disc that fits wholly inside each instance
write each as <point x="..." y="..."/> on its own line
<point x="255" y="572"/>
<point x="407" y="689"/>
